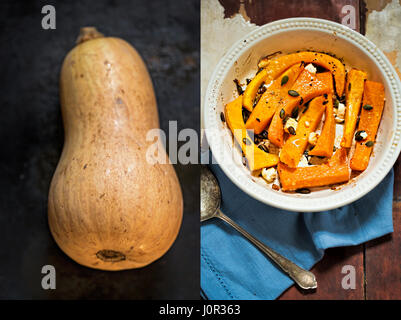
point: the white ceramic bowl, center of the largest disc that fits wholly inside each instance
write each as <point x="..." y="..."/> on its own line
<point x="288" y="36"/>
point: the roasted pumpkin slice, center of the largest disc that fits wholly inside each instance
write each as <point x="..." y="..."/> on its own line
<point x="252" y="89"/>
<point x="296" y="144"/>
<point x="336" y="170"/>
<point x="276" y="66"/>
<point x="371" y="113"/>
<point x="257" y="158"/>
<point x="305" y="88"/>
<point x="353" y="98"/>
<point x="325" y="143"/>
<point x="268" y="102"/>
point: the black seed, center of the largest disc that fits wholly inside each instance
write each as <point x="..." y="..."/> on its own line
<point x="349" y="86"/>
<point x="325" y="96"/>
<point x="282" y="113"/>
<point x="286" y="119"/>
<point x="301" y="101"/>
<point x="293" y="93"/>
<point x="284" y="80"/>
<point x="306" y="108"/>
<point x="264" y="134"/>
<point x="358" y="136"/>
<point x="325" y="102"/>
<point x="369" y="144"/>
<point x="257" y="119"/>
<point x="367" y="107"/>
<point x="303" y="191"/>
<point x="291" y="130"/>
<point x="248" y="81"/>
<point x="222" y="117"/>
<point x="247" y="141"/>
<point x="334" y="149"/>
<point x="239" y="88"/>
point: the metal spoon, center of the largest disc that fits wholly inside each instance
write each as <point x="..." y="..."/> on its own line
<point x="210" y="208"/>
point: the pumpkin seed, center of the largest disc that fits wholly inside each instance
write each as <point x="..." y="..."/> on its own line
<point x="293" y="93"/>
<point x="286" y="119"/>
<point x="291" y="130"/>
<point x="282" y="113"/>
<point x="367" y="107"/>
<point x="303" y="191"/>
<point x="284" y="80"/>
<point x="223" y="119"/>
<point x="301" y="101"/>
<point x="262" y="147"/>
<point x="264" y="134"/>
<point x="369" y="144"/>
<point x="358" y="136"/>
<point x="294" y="113"/>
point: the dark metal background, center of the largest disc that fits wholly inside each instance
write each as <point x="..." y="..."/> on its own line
<point x="166" y="34"/>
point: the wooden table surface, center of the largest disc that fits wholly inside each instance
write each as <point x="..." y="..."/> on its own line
<point x="377" y="263"/>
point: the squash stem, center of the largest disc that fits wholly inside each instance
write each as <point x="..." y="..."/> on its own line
<point x="88" y="33"/>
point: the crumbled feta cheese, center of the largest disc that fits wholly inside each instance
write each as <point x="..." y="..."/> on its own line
<point x="311" y="68"/>
<point x="303" y="162"/>
<point x="269" y="174"/>
<point x="291" y="122"/>
<point x="307" y="124"/>
<point x="340" y="113"/>
<point x="312" y="139"/>
<point x="363" y="135"/>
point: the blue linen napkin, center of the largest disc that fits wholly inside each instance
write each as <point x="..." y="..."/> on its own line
<point x="232" y="268"/>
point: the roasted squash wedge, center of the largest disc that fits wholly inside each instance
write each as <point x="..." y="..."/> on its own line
<point x="252" y="89"/>
<point x="325" y="143"/>
<point x="257" y="158"/>
<point x="268" y="102"/>
<point x="336" y="170"/>
<point x="296" y="144"/>
<point x="276" y="66"/>
<point x="307" y="86"/>
<point x="353" y="99"/>
<point x="371" y="113"/>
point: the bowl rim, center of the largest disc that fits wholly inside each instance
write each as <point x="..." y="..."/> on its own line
<point x="356" y="39"/>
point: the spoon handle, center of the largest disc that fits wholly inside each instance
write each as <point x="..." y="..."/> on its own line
<point x="304" y="278"/>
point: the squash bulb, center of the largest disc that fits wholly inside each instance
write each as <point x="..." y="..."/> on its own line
<point x="109" y="208"/>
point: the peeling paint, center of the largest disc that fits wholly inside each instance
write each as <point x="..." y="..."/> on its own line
<point x="217" y="36"/>
<point x="384" y="29"/>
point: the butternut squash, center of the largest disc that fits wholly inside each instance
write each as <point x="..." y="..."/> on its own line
<point x="325" y="143"/>
<point x="257" y="158"/>
<point x="307" y="86"/>
<point x="109" y="208"/>
<point x="276" y="66"/>
<point x="251" y="90"/>
<point x="268" y="102"/>
<point x="371" y="113"/>
<point x="353" y="99"/>
<point x="336" y="170"/>
<point x="296" y="144"/>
